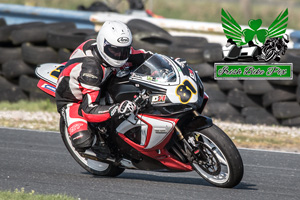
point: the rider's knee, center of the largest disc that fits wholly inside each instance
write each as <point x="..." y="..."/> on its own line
<point x="82" y="140"/>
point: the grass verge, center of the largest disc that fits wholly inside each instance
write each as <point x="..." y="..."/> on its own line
<point x="22" y="195"/>
<point x="28" y="115"/>
<point x="32" y="106"/>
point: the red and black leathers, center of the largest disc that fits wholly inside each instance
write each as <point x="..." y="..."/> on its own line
<point x="79" y="88"/>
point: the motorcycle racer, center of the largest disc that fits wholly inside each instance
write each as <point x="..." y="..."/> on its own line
<point x="276" y="46"/>
<point x="82" y="81"/>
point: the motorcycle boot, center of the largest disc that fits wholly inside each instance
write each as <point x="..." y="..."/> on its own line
<point x="100" y="148"/>
<point x="82" y="140"/>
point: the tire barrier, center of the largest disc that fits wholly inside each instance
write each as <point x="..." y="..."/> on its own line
<point x="5" y="31"/>
<point x="27" y="45"/>
<point x="152" y="41"/>
<point x="37" y="34"/>
<point x="67" y="38"/>
<point x="38" y="54"/>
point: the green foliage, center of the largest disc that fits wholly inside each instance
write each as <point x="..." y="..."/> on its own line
<point x="233" y="30"/>
<point x="22" y="195"/>
<point x="33" y="106"/>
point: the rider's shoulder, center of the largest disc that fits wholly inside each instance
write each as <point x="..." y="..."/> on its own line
<point x="91" y="73"/>
<point x="90" y="64"/>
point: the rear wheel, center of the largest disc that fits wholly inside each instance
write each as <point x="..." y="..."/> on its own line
<point x="92" y="166"/>
<point x="220" y="164"/>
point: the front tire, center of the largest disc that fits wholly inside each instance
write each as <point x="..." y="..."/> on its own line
<point x="224" y="166"/>
<point x="269" y="55"/>
<point x="92" y="166"/>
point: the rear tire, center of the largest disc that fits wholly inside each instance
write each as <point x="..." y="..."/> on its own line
<point x="227" y="166"/>
<point x="92" y="166"/>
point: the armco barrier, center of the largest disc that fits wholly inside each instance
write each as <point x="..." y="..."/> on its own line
<point x="256" y="102"/>
<point x="17" y="14"/>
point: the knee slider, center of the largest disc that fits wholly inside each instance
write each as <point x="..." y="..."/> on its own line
<point x="82" y="140"/>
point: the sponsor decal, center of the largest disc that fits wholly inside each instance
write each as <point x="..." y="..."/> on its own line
<point x="158" y="99"/>
<point x="113" y="110"/>
<point x="89" y="75"/>
<point x="244" y="46"/>
<point x="160" y="130"/>
<point x="48" y="87"/>
<point x="192" y="75"/>
<point x="75" y="127"/>
<point x="123" y="40"/>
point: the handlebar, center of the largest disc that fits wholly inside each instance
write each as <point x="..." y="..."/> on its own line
<point x="141" y="99"/>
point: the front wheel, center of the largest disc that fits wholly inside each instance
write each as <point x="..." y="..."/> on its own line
<point x="220" y="163"/>
<point x="92" y="166"/>
<point x="269" y="55"/>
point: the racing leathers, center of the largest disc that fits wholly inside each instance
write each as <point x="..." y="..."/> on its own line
<point x="79" y="89"/>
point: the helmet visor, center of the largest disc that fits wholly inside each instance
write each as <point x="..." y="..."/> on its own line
<point x="117" y="53"/>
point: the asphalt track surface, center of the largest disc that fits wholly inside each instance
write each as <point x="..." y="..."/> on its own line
<point x="39" y="161"/>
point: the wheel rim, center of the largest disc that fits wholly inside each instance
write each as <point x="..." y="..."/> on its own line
<point x="94" y="165"/>
<point x="212" y="164"/>
<point x="269" y="55"/>
<point x="218" y="163"/>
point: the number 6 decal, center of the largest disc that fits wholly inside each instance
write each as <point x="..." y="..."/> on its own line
<point x="185" y="91"/>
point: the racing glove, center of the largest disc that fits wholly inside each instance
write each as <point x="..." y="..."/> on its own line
<point x="125" y="108"/>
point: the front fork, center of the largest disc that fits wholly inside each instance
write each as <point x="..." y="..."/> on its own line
<point x="192" y="152"/>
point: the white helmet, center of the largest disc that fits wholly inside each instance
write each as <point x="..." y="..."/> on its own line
<point x="114" y="42"/>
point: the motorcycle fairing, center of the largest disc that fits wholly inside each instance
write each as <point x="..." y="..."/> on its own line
<point x="49" y="72"/>
<point x="47" y="87"/>
<point x="198" y="123"/>
<point x="180" y="88"/>
<point x="154" y="129"/>
<point x="156" y="132"/>
<point x="161" y="154"/>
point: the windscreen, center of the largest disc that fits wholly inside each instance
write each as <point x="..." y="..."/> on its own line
<point x="156" y="69"/>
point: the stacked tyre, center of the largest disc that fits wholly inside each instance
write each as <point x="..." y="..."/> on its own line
<point x="24" y="46"/>
<point x="265" y="102"/>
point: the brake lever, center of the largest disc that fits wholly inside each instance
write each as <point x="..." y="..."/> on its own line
<point x="141" y="99"/>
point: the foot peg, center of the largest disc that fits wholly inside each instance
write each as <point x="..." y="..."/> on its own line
<point x="102" y="151"/>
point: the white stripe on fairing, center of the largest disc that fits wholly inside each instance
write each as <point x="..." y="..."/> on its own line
<point x="74" y="84"/>
<point x="90" y="87"/>
<point x="71" y="120"/>
<point x="78" y="53"/>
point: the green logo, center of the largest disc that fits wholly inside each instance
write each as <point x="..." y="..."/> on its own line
<point x="253" y="71"/>
<point x="254" y="33"/>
